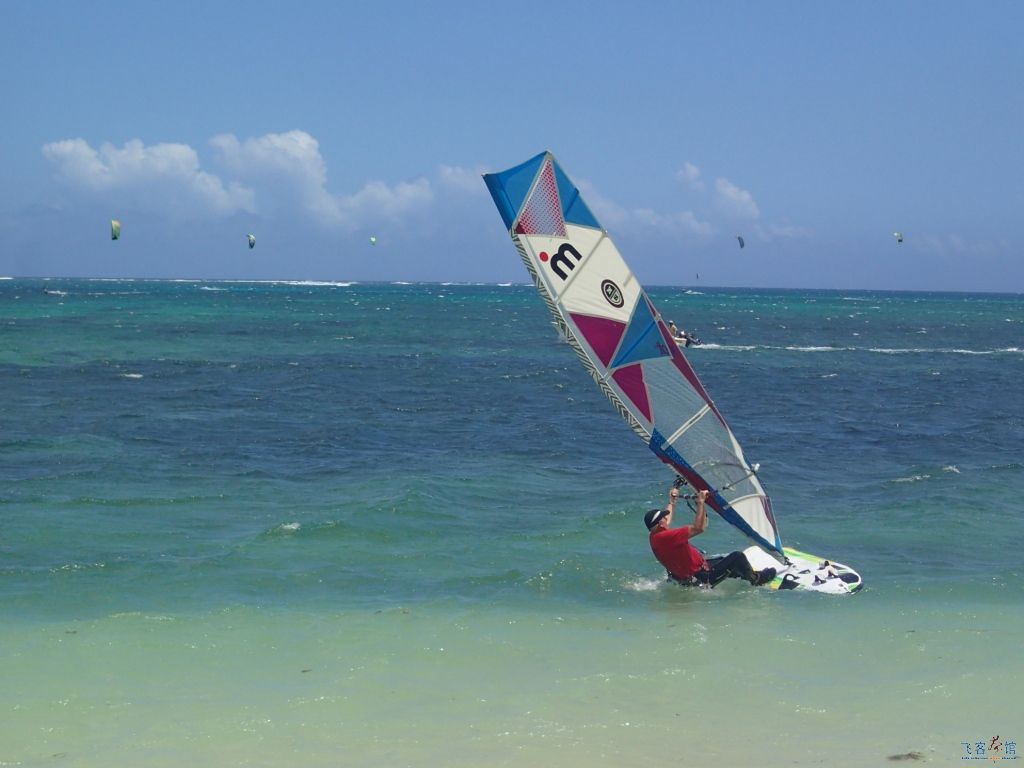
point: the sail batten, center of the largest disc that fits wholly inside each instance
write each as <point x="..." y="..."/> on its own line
<point x="608" y="319"/>
<point x="687" y="424"/>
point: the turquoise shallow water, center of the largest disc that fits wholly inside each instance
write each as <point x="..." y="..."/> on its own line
<point x="275" y="524"/>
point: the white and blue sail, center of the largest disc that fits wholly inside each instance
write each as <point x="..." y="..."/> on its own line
<point x="606" y="316"/>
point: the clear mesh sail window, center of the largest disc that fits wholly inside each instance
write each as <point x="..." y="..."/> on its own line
<point x="542" y="212"/>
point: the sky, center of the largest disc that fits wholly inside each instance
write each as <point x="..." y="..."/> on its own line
<point x="814" y="130"/>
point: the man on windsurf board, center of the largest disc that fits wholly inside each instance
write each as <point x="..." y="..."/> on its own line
<point x="684" y="562"/>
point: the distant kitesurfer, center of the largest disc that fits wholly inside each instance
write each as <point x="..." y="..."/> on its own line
<point x="684" y="562"/>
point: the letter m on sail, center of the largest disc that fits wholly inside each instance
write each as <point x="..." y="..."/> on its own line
<point x="560" y="263"/>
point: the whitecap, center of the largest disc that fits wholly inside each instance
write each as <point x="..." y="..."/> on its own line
<point x="641" y="584"/>
<point x="131" y="375"/>
<point x="912" y="479"/>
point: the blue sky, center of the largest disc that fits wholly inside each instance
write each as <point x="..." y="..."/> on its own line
<point x="813" y="129"/>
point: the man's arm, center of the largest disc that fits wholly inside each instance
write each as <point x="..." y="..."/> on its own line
<point x="700" y="520"/>
<point x="673" y="495"/>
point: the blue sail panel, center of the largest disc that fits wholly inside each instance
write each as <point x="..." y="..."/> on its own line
<point x="574" y="210"/>
<point x="642" y="339"/>
<point x="510" y="188"/>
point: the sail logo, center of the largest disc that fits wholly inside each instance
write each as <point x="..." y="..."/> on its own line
<point x="612" y="294"/>
<point x="560" y="263"/>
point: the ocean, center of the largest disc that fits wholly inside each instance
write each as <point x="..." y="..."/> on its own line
<point x="384" y="525"/>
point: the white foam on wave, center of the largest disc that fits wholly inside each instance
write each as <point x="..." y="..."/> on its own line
<point x="131" y="375"/>
<point x="875" y="350"/>
<point x="315" y="283"/>
<point x="912" y="479"/>
<point x="641" y="584"/>
<point x="312" y="283"/>
<point x="818" y="349"/>
<point x="729" y="347"/>
<point x="954" y="351"/>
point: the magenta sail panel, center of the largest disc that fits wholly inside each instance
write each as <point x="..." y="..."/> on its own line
<point x="631" y="381"/>
<point x="601" y="333"/>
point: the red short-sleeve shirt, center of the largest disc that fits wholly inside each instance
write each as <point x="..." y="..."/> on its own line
<point x="674" y="551"/>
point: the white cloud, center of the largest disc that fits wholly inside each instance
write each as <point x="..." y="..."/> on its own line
<point x="690" y="173"/>
<point x="611" y="215"/>
<point x="274" y="172"/>
<point x="786" y="231"/>
<point x="291" y="165"/>
<point x="378" y="199"/>
<point x="683" y="222"/>
<point x="615" y="217"/>
<point x="462" y="179"/>
<point x="294" y="155"/>
<point x="160" y="175"/>
<point x="734" y="201"/>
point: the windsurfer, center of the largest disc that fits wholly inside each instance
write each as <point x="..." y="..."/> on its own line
<point x="683" y="561"/>
<point x="681" y="337"/>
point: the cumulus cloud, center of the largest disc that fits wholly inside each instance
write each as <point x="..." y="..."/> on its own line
<point x="614" y="216"/>
<point x="291" y="162"/>
<point x="161" y="175"/>
<point x="273" y="172"/>
<point x="734" y="201"/>
<point x="683" y="222"/>
<point x="690" y="174"/>
<point x="608" y="212"/>
<point x="462" y="179"/>
<point x="380" y="199"/>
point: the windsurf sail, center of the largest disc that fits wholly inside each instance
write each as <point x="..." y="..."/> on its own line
<point x="115" y="229"/>
<point x="252" y="240"/>
<point x="611" y="323"/>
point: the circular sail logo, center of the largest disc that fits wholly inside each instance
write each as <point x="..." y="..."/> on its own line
<point x="612" y="293"/>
